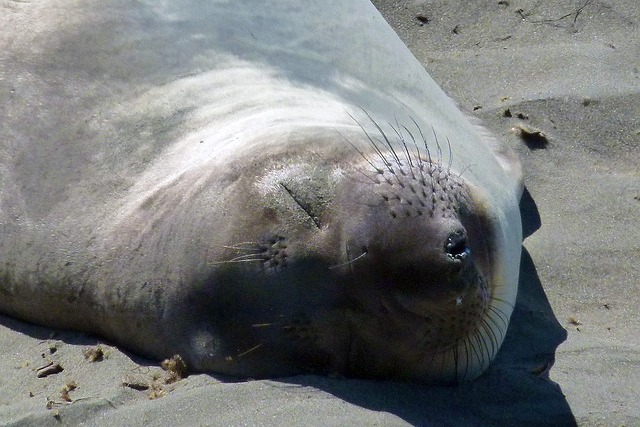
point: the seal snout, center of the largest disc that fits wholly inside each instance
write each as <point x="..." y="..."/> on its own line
<point x="407" y="232"/>
<point x="428" y="256"/>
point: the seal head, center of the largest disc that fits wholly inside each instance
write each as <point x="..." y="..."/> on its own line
<point x="383" y="269"/>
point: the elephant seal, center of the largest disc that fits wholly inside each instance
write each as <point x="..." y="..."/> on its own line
<point x="264" y="189"/>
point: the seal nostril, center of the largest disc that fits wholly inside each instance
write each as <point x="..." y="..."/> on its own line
<point x="456" y="246"/>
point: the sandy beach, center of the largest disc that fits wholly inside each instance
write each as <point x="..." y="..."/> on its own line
<point x="567" y="72"/>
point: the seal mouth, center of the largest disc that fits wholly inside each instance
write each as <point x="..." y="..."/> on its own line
<point x="439" y="323"/>
<point x="414" y="336"/>
<point x="418" y="306"/>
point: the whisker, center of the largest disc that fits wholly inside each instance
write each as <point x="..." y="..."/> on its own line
<point x="384" y="136"/>
<point x="456" y="360"/>
<point x="366" y="159"/>
<point x="408" y="152"/>
<point x="450" y="162"/>
<point x="466" y="344"/>
<point x="421" y="163"/>
<point x="437" y="145"/>
<point x="424" y="140"/>
<point x="234" y="262"/>
<point x="238" y="247"/>
<point x="377" y="149"/>
<point x="431" y="167"/>
<point x="489" y="331"/>
<point x="415" y="144"/>
<point x="477" y="346"/>
<point x="402" y="139"/>
<point x="483" y="330"/>
<point x="348" y="262"/>
<point x="245" y="257"/>
<point x="501" y="314"/>
<point x="502" y="328"/>
<point x="504" y="301"/>
<point x="465" y="169"/>
<point x="254" y="348"/>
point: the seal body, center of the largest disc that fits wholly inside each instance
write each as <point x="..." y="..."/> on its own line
<point x="263" y="188"/>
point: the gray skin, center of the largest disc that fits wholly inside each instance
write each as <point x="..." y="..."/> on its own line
<point x="259" y="191"/>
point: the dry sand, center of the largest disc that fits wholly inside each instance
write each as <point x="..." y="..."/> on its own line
<point x="571" y="70"/>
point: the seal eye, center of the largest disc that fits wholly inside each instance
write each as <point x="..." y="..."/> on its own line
<point x="456" y="246"/>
